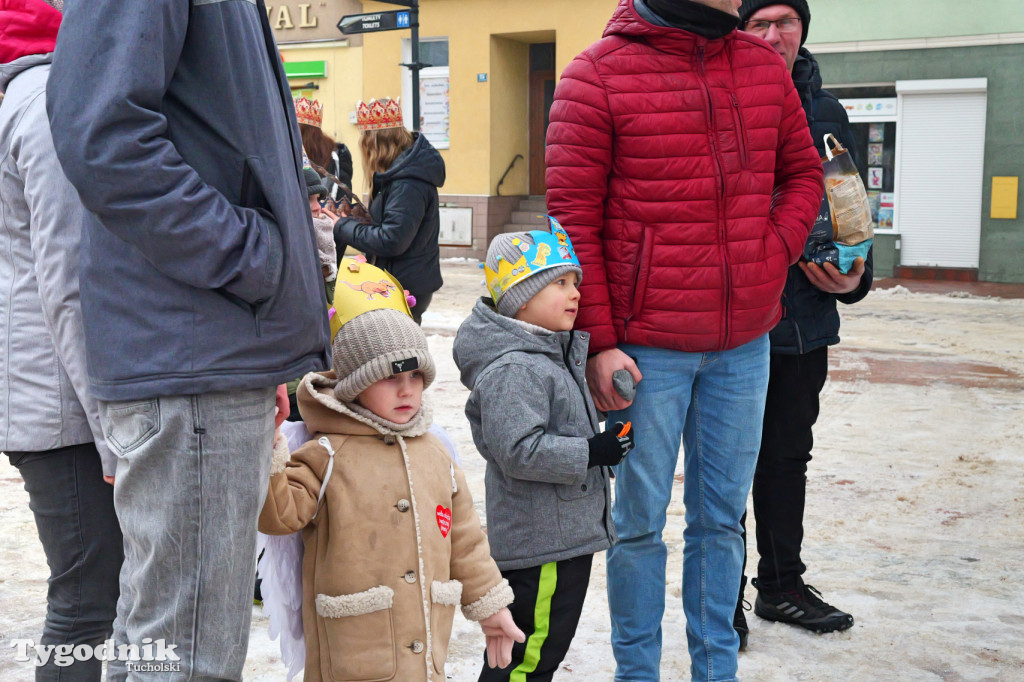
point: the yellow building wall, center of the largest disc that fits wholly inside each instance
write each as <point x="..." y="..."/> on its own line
<point x="338" y="92"/>
<point x="488" y="121"/>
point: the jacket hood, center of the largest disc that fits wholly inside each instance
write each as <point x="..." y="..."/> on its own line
<point x="323" y="413"/>
<point x="627" y="22"/>
<point x="485" y="336"/>
<point x="419" y="162"/>
<point x="27" y="27"/>
<point x="806" y="75"/>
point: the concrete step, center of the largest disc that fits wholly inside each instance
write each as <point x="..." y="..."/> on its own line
<point x="529" y="218"/>
<point x="534" y="205"/>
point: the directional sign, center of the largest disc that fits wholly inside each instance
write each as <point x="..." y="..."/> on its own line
<point x="371" y="23"/>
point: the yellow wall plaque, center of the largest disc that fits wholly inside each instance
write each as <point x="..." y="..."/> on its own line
<point x="1004" y="197"/>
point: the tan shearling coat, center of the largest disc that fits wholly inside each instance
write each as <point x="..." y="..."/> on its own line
<point x="391" y="548"/>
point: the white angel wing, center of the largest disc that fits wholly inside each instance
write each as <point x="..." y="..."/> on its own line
<point x="446" y="441"/>
<point x="280" y="569"/>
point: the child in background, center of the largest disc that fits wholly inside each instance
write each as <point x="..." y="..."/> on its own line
<point x="392" y="543"/>
<point x="533" y="420"/>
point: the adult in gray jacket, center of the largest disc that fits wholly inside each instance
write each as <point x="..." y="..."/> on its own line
<point x="201" y="291"/>
<point x="49" y="425"/>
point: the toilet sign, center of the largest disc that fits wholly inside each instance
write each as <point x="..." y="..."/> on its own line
<point x="377" y="21"/>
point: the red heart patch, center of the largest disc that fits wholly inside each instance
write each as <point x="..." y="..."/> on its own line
<point x="444" y="520"/>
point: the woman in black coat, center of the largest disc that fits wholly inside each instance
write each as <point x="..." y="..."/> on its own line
<point x="404" y="172"/>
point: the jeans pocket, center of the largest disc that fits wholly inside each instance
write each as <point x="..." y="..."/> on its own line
<point x="359" y="633"/>
<point x="128" y="426"/>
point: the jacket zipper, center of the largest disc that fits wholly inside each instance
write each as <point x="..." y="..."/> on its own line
<point x="721" y="204"/>
<point x="741" y="133"/>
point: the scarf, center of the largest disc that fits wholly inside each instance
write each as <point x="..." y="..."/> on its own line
<point x="694" y="17"/>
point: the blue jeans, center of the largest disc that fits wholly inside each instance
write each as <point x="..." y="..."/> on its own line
<point x="714" y="403"/>
<point x="192" y="476"/>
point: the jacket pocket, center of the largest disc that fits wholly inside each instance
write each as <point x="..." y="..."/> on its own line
<point x="581" y="510"/>
<point x="359" y="634"/>
<point x="129" y="425"/>
<point x="640" y="277"/>
<point x="742" y="142"/>
<point x="444" y="597"/>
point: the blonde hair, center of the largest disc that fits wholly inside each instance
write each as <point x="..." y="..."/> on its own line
<point x="380" y="148"/>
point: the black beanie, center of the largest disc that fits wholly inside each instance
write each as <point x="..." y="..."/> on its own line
<point x="749" y="7"/>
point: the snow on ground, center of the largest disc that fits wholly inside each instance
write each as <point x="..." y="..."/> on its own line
<point x="912" y="524"/>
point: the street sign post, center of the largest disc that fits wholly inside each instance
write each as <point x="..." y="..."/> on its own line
<point x="371" y="23"/>
<point x="394" y="21"/>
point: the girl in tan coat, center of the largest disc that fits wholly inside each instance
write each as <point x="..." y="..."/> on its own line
<point x="392" y="541"/>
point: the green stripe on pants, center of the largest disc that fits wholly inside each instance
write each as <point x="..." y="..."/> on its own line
<point x="541" y="623"/>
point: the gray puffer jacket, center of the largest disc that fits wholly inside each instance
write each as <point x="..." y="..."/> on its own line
<point x="44" y="398"/>
<point x="531" y="415"/>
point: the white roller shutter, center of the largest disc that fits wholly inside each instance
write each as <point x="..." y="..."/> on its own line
<point x="941" y="157"/>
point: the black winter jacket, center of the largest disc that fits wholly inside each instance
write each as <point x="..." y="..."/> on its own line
<point x="809" y="316"/>
<point x="402" y="238"/>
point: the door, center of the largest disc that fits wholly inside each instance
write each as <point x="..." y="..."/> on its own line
<point x="542" y="93"/>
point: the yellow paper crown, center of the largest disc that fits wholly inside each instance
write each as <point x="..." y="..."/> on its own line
<point x="362" y="287"/>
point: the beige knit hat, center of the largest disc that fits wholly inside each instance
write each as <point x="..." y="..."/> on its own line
<point x="375" y="345"/>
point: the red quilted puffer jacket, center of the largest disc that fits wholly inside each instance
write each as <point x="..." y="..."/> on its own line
<point x="683" y="170"/>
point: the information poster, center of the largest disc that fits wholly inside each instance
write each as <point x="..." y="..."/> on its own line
<point x="886" y="205"/>
<point x="875" y="178"/>
<point x="875" y="152"/>
<point x="434" y="112"/>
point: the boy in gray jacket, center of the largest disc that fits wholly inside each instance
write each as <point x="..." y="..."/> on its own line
<point x="548" y="493"/>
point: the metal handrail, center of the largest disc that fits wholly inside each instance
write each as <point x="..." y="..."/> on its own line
<point x="497" y="190"/>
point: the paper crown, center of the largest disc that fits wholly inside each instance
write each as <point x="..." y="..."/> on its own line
<point x="549" y="250"/>
<point x="309" y="111"/>
<point x="379" y="114"/>
<point x="362" y="287"/>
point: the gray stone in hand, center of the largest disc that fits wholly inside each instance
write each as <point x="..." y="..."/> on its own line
<point x="622" y="380"/>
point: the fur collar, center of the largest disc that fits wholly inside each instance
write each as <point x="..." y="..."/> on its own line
<point x="319" y="386"/>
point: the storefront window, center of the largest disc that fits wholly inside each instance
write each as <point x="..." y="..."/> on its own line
<point x="434" y="90"/>
<point x="873" y="122"/>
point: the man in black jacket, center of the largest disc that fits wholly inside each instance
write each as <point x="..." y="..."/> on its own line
<point x="799" y="358"/>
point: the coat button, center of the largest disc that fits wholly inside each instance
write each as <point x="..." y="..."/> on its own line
<point x="417" y="646"/>
<point x="583" y="487"/>
<point x="403" y="505"/>
<point x="579" y="362"/>
<point x="410" y="577"/>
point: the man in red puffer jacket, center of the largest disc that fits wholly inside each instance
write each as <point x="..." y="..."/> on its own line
<point x="680" y="163"/>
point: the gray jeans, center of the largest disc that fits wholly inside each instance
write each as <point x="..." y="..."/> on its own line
<point x="192" y="475"/>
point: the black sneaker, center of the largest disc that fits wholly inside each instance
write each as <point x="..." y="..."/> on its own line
<point x="739" y="619"/>
<point x="803" y="607"/>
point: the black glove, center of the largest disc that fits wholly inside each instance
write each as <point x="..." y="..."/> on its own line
<point x="609" y="448"/>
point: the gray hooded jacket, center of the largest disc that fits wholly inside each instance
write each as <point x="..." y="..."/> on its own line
<point x="199" y="268"/>
<point x="44" y="398"/>
<point x="531" y="415"/>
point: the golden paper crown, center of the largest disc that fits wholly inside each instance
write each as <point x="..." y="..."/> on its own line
<point x="362" y="287"/>
<point x="379" y="114"/>
<point x="309" y="112"/>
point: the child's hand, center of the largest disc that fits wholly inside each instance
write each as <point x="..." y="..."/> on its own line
<point x="500" y="631"/>
<point x="283" y="406"/>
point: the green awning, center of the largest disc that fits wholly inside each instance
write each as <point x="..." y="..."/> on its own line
<point x="306" y="69"/>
